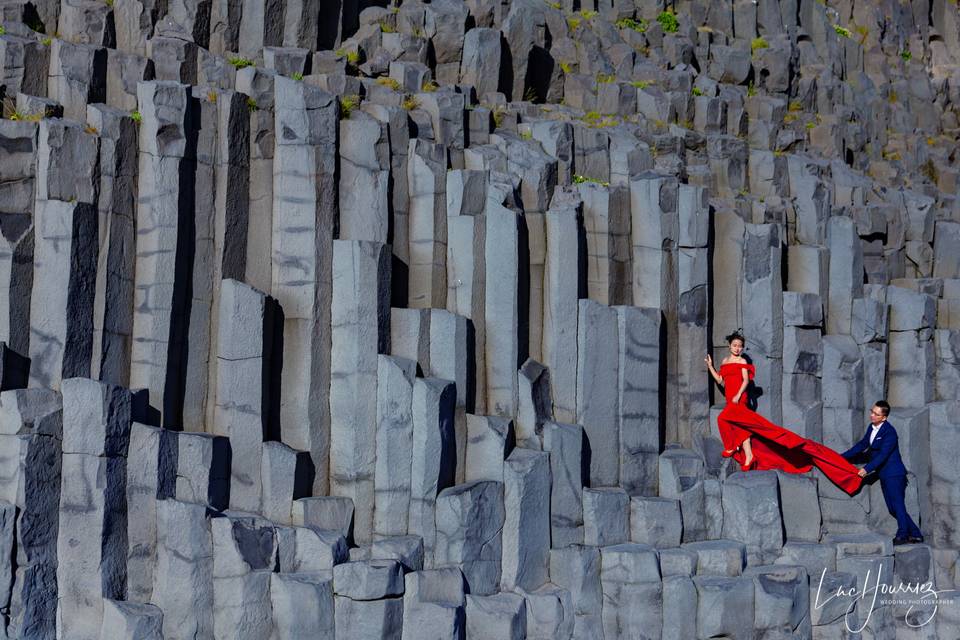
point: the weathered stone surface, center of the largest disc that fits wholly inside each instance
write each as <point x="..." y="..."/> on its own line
<point x="308" y="550"/>
<point x="183" y="580"/>
<point x="526" y="528"/>
<point x="151" y="476"/>
<point x="98" y="417"/>
<point x="159" y="325"/>
<point x="328" y="513"/>
<point x="364" y="179"/>
<point x="534" y="404"/>
<point x="576" y="568"/>
<point x="77" y="76"/>
<point x="597" y="401"/>
<point x="801" y="520"/>
<point x="426" y="178"/>
<point x="244" y="549"/>
<point x="632" y="592"/>
<point x="762" y="291"/>
<point x="187" y="194"/>
<point x="638" y="391"/>
<point x="61" y="311"/>
<point x="480" y="65"/>
<point x="131" y="620"/>
<point x="243" y="411"/>
<point x="564" y="443"/>
<point x="357" y="619"/>
<point x="490" y="440"/>
<point x="433" y="604"/>
<point x="560" y="315"/>
<point x="368" y="580"/>
<point x="677" y="562"/>
<point x="8" y="518"/>
<point x="751" y="513"/>
<point x="470" y="520"/>
<point x="655" y="521"/>
<point x="434" y="455"/>
<point x="203" y="469"/>
<point x="501" y="311"/>
<point x="285" y="476"/>
<point x="606" y="516"/>
<point x="502" y="615"/>
<point x="719" y="557"/>
<point x="725" y="606"/>
<point x="301" y="606"/>
<point x="679" y="598"/>
<point x="681" y="476"/>
<point x="92" y="533"/>
<point x="360" y="330"/>
<point x="31" y="421"/>
<point x="301" y="170"/>
<point x="394" y="442"/>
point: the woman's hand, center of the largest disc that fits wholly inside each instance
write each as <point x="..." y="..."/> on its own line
<point x="709" y="361"/>
<point x="736" y="399"/>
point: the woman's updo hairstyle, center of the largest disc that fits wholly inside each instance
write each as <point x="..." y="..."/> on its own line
<point x="736" y="335"/>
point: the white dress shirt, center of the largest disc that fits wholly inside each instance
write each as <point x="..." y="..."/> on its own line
<point x="874" y="429"/>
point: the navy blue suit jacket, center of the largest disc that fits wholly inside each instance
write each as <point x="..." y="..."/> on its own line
<point x="883" y="455"/>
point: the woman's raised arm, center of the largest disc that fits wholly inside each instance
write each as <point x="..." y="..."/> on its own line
<point x="713" y="372"/>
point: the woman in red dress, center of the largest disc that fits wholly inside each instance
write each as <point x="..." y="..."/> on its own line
<point x="755" y="442"/>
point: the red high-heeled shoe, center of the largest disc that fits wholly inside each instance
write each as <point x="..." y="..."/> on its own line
<point x="748" y="466"/>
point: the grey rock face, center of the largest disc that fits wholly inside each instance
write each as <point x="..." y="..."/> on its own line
<point x="751" y="513"/>
<point x="632" y="592"/>
<point x="503" y="615"/>
<point x="597" y="388"/>
<point x="289" y="594"/>
<point x="470" y="522"/>
<point x="388" y="322"/>
<point x="606" y="516"/>
<point x="434" y="456"/>
<point x="151" y="476"/>
<point x="725" y="606"/>
<point x="655" y="521"/>
<point x="564" y="443"/>
<point x="183" y="580"/>
<point x="526" y="528"/>
<point x="433" y="604"/>
<point x="370" y="580"/>
<point x="141" y="621"/>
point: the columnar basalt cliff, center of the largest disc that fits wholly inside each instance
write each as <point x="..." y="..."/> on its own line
<point x="360" y="320"/>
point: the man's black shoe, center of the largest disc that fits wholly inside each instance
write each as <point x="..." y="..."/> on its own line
<point x="899" y="540"/>
<point x="915" y="540"/>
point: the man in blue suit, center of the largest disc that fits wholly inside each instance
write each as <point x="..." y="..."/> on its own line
<point x="881" y="450"/>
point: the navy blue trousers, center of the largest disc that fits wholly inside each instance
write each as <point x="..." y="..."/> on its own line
<point x="894" y="489"/>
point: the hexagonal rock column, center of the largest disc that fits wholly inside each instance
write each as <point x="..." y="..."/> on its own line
<point x="91" y="557"/>
<point x="526" y="530"/>
<point x="31" y="427"/>
<point x="751" y="513"/>
<point x="597" y="402"/>
<point x="304" y="197"/>
<point x="632" y="591"/>
<point x="244" y="408"/>
<point x="434" y="456"/>
<point x="360" y="331"/>
<point x="470" y="519"/>
<point x="163" y="269"/>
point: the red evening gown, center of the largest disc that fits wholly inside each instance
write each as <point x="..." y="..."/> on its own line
<point x="773" y="446"/>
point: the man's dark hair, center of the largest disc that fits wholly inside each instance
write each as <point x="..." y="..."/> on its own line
<point x="883" y="406"/>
